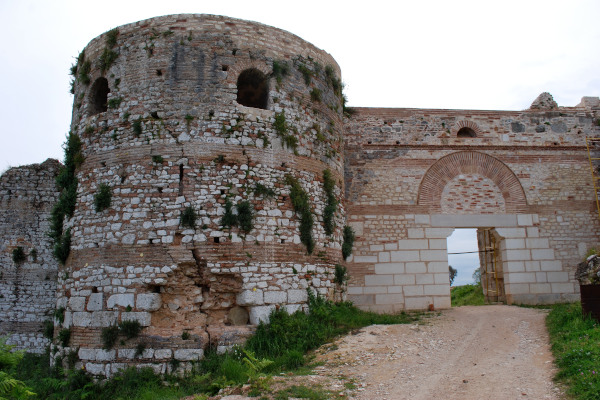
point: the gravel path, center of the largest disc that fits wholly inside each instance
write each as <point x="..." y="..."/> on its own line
<point x="486" y="352"/>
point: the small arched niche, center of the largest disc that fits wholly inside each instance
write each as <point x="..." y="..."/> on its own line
<point x="466" y="132"/>
<point x="99" y="96"/>
<point x="253" y="89"/>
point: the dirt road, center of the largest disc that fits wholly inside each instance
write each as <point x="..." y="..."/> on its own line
<point x="487" y="352"/>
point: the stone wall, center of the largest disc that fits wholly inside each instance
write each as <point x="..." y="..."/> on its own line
<point x="413" y="176"/>
<point x="175" y="135"/>
<point x="27" y="288"/>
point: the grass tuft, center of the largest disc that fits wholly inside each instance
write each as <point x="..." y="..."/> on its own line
<point x="467" y="295"/>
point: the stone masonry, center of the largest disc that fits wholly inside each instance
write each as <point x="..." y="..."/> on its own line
<point x="205" y="114"/>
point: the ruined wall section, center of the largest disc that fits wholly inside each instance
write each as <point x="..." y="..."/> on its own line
<point x="173" y="135"/>
<point x="390" y="151"/>
<point x="27" y="288"/>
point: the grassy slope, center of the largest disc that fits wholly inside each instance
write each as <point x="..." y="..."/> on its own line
<point x="467" y="295"/>
<point x="576" y="346"/>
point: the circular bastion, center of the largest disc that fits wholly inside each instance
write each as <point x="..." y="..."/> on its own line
<point x="203" y="138"/>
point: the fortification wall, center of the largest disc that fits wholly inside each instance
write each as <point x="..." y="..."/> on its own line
<point x="172" y="133"/>
<point x="411" y="180"/>
<point x="27" y="287"/>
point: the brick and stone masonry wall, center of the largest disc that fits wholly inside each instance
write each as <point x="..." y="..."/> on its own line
<point x="411" y="180"/>
<point x="175" y="136"/>
<point x="28" y="288"/>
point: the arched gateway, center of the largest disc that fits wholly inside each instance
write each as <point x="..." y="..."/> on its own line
<point x="415" y="180"/>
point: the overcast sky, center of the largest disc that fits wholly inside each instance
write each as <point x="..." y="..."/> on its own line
<point x="425" y="54"/>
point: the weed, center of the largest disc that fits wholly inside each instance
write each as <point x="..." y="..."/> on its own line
<point x="59" y="314"/>
<point x="109" y="336"/>
<point x="228" y="219"/>
<point x="315" y="95"/>
<point x="139" y="350"/>
<point x="262" y="190"/>
<point x="84" y="72"/>
<point x="18" y="255"/>
<point x="157" y="159"/>
<point x="107" y="58"/>
<point x="301" y="204"/>
<point x="62" y="247"/>
<point x="115" y="102"/>
<point x="348" y="241"/>
<point x="280" y="70"/>
<point x="306" y="73"/>
<point x="64" y="335"/>
<point x="188" y="218"/>
<point x="220" y="159"/>
<point x="341" y="275"/>
<point x="304" y="392"/>
<point x="131" y="329"/>
<point x="103" y="197"/>
<point x="188" y="119"/>
<point x="330" y="202"/>
<point x="185" y="335"/>
<point x="48" y="329"/>
<point x="245" y="215"/>
<point x="333" y="81"/>
<point x="137" y="127"/>
<point x="111" y="37"/>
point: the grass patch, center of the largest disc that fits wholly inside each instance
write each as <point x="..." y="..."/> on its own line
<point x="467" y="295"/>
<point x="575" y="341"/>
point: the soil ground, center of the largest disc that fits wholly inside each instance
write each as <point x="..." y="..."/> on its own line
<point x="484" y="352"/>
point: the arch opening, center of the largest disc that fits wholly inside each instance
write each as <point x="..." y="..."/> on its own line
<point x="253" y="89"/>
<point x="465" y="132"/>
<point x="99" y="96"/>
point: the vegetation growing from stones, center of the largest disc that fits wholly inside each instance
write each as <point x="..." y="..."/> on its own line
<point x="330" y="202"/>
<point x="280" y="70"/>
<point x="282" y="130"/>
<point x="262" y="190"/>
<point x="301" y="204"/>
<point x="157" y="159"/>
<point x="333" y="81"/>
<point x="137" y="127"/>
<point x="65" y="207"/>
<point x="18" y="255"/>
<point x="348" y="241"/>
<point x="59" y="314"/>
<point x="84" y="67"/>
<point x="108" y="56"/>
<point x="188" y="218"/>
<point x="315" y="95"/>
<point x="115" y="102"/>
<point x="48" y="329"/>
<point x="130" y="329"/>
<point x="64" y="335"/>
<point x="575" y="341"/>
<point x="243" y="219"/>
<point x="102" y="198"/>
<point x="109" y="336"/>
<point x="306" y="73"/>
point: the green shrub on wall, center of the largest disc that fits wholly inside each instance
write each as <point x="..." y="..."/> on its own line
<point x="103" y="198"/>
<point x="348" y="242"/>
<point x="330" y="203"/>
<point x="301" y="204"/>
<point x="188" y="217"/>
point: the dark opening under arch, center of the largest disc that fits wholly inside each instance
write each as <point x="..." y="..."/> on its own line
<point x="99" y="96"/>
<point x="466" y="132"/>
<point x="253" y="89"/>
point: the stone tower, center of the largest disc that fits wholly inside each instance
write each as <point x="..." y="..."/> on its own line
<point x="195" y="129"/>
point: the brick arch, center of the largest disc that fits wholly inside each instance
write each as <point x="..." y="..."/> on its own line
<point x="464" y="123"/>
<point x="236" y="69"/>
<point x="470" y="162"/>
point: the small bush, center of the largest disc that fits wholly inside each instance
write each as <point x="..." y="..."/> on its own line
<point x="84" y="72"/>
<point x="330" y="202"/>
<point x="137" y="127"/>
<point x="348" y="242"/>
<point x="306" y="73"/>
<point x="262" y="190"/>
<point x="157" y="159"/>
<point x="107" y="58"/>
<point x="315" y="95"/>
<point x="48" y="329"/>
<point x="59" y="314"/>
<point x="18" y="255"/>
<point x="115" y="102"/>
<point x="111" y="37"/>
<point x="188" y="218"/>
<point x="341" y="275"/>
<point x="62" y="247"/>
<point x="185" y="335"/>
<point x="139" y="350"/>
<point x="280" y="70"/>
<point x="109" y="336"/>
<point x="245" y="216"/>
<point x="131" y="329"/>
<point x="64" y="335"/>
<point x="103" y="197"/>
<point x="228" y="219"/>
<point x="301" y="204"/>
